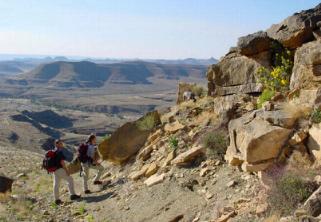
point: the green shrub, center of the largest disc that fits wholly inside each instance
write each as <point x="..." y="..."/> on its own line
<point x="146" y="123"/>
<point x="266" y="95"/>
<point x="82" y="209"/>
<point x="278" y="78"/>
<point x="54" y="205"/>
<point x="316" y="116"/>
<point x="288" y="192"/>
<point x="215" y="143"/>
<point x="173" y="142"/>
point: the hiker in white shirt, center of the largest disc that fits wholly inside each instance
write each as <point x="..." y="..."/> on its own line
<point x="92" y="163"/>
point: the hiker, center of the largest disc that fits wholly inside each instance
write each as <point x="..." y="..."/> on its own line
<point x="55" y="164"/>
<point x="90" y="161"/>
<point x="189" y="95"/>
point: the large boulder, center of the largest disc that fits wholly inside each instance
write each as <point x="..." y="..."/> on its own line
<point x="254" y="43"/>
<point x="234" y="74"/>
<point x="254" y="142"/>
<point x="298" y="28"/>
<point x="5" y="184"/>
<point x="128" y="139"/>
<point x="307" y="66"/>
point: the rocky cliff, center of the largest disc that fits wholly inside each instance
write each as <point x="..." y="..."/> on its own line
<point x="236" y="71"/>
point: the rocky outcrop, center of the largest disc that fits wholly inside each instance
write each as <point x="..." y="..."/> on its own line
<point x="128" y="139"/>
<point x="5" y="184"/>
<point x="254" y="142"/>
<point x="307" y="66"/>
<point x="254" y="43"/>
<point x="298" y="28"/>
<point x="235" y="73"/>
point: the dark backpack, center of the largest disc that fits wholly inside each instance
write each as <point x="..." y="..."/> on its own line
<point x="50" y="162"/>
<point x="82" y="153"/>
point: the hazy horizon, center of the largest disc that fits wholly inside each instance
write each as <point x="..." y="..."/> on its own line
<point x="135" y="30"/>
<point x="4" y="56"/>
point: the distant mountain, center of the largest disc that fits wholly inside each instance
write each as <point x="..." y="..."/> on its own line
<point x="188" y="61"/>
<point x="14" y="67"/>
<point x="17" y="64"/>
<point x="93" y="75"/>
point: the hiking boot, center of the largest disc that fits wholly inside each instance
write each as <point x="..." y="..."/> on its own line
<point x="98" y="182"/>
<point x="74" y="197"/>
<point x="58" y="202"/>
<point x="87" y="192"/>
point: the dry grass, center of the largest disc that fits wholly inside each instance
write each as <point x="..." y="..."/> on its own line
<point x="273" y="218"/>
<point x="43" y="184"/>
<point x="299" y="161"/>
<point x="296" y="111"/>
<point x="147" y="123"/>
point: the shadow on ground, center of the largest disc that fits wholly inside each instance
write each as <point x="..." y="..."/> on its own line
<point x="95" y="199"/>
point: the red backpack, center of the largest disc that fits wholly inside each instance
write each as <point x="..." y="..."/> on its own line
<point x="50" y="162"/>
<point x="82" y="153"/>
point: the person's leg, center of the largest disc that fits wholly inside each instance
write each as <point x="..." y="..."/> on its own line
<point x="85" y="168"/>
<point x="100" y="170"/>
<point x="56" y="184"/>
<point x="70" y="182"/>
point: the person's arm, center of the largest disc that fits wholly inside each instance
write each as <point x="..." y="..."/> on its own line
<point x="62" y="162"/>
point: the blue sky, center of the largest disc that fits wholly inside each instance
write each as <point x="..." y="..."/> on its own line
<point x="136" y="28"/>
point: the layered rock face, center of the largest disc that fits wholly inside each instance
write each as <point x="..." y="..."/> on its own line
<point x="298" y="28"/>
<point x="235" y="73"/>
<point x="307" y="66"/>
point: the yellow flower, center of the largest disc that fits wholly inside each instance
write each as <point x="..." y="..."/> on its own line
<point x="284" y="82"/>
<point x="276" y="72"/>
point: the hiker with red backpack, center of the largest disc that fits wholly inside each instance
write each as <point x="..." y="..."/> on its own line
<point x="54" y="163"/>
<point x="88" y="158"/>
